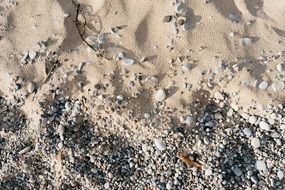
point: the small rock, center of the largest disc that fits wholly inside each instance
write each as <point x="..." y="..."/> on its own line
<point x="237" y="171"/>
<point x="261" y="166"/>
<point x="264" y="126"/>
<point x="218" y="95"/>
<point x="107" y="185"/>
<point x="208" y="172"/>
<point x="252" y="119"/>
<point x="246" y="41"/>
<point x="186" y="67"/>
<point x="180" y="8"/>
<point x="25" y="150"/>
<point x="119" y="56"/>
<point x="263" y="85"/>
<point x="247" y="132"/>
<point x="32" y="55"/>
<point x="186" y="26"/>
<point x="277" y="86"/>
<point x="160" y="95"/>
<point x="60" y="145"/>
<point x="167" y="18"/>
<point x="255" y="142"/>
<point x="232" y="17"/>
<point x="280" y="67"/>
<point x="280" y="174"/>
<point x="160" y="144"/>
<point x="169" y="185"/>
<point x="31" y="87"/>
<point x="128" y="62"/>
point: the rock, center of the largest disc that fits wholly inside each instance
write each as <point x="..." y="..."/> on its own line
<point x="218" y="95"/>
<point x="247" y="132"/>
<point x="282" y="126"/>
<point x="237" y="171"/>
<point x="186" y="67"/>
<point x="24" y="151"/>
<point x="280" y="174"/>
<point x="32" y="55"/>
<point x="189" y="120"/>
<point x="232" y="17"/>
<point x="264" y="126"/>
<point x="169" y="185"/>
<point x="107" y="185"/>
<point x="160" y="95"/>
<point x="255" y="142"/>
<point x="280" y="67"/>
<point x="180" y="8"/>
<point x="186" y="26"/>
<point x="160" y="144"/>
<point x="128" y="62"/>
<point x="31" y="87"/>
<point x="119" y="56"/>
<point x="263" y="85"/>
<point x="60" y="145"/>
<point x="208" y="172"/>
<point x="261" y="166"/>
<point x="277" y="86"/>
<point x="252" y="119"/>
<point x="246" y="41"/>
<point x="167" y="18"/>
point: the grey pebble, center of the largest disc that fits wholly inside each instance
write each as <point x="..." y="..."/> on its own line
<point x="255" y="142"/>
<point x="264" y="126"/>
<point x="160" y="144"/>
<point x="247" y="132"/>
<point x="31" y="87"/>
<point x="160" y="95"/>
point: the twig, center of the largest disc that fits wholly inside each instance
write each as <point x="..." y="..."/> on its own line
<point x="192" y="163"/>
<point x="50" y="72"/>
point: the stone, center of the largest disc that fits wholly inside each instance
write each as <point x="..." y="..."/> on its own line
<point x="264" y="126"/>
<point x="160" y="95"/>
<point x="277" y="86"/>
<point x="128" y="62"/>
<point x="31" y="87"/>
<point x="180" y="8"/>
<point x="263" y="85"/>
<point x="186" y="26"/>
<point x="24" y="150"/>
<point x="255" y="142"/>
<point x="232" y="17"/>
<point x="280" y="67"/>
<point x="247" y="132"/>
<point x="186" y="67"/>
<point x="261" y="166"/>
<point x="32" y="55"/>
<point x="246" y="41"/>
<point x="160" y="144"/>
<point x="169" y="185"/>
<point x="280" y="174"/>
<point x="219" y="96"/>
<point x="237" y="171"/>
<point x="252" y="119"/>
<point x="119" y="56"/>
<point x="208" y="172"/>
<point x="167" y="18"/>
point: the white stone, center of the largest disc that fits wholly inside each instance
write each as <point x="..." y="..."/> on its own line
<point x="160" y="95"/>
<point x="169" y="185"/>
<point x="252" y="119"/>
<point x="128" y="62"/>
<point x="247" y="132"/>
<point x="31" y="87"/>
<point x="186" y="67"/>
<point x="180" y="8"/>
<point x="280" y="67"/>
<point x="208" y="172"/>
<point x="24" y="151"/>
<point x="219" y="96"/>
<point x="60" y="145"/>
<point x="277" y="86"/>
<point x="261" y="166"/>
<point x="246" y="41"/>
<point x="32" y="55"/>
<point x="280" y="174"/>
<point x="263" y="85"/>
<point x="282" y="126"/>
<point x="255" y="142"/>
<point x="160" y="144"/>
<point x="264" y="126"/>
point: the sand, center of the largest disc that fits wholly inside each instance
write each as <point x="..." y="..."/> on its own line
<point x="214" y="37"/>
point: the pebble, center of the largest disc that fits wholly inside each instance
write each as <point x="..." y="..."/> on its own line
<point x="167" y="18"/>
<point x="263" y="85"/>
<point x="264" y="126"/>
<point x="128" y="62"/>
<point x="187" y="67"/>
<point x="160" y="95"/>
<point x="255" y="142"/>
<point x="237" y="171"/>
<point x="252" y="119"/>
<point x="218" y="95"/>
<point x="246" y="41"/>
<point x="169" y="185"/>
<point x="119" y="56"/>
<point x="186" y="26"/>
<point x="32" y="55"/>
<point x="31" y="87"/>
<point x="160" y="144"/>
<point x="247" y="132"/>
<point x="24" y="151"/>
<point x="208" y="172"/>
<point x="280" y="174"/>
<point x="277" y="86"/>
<point x="107" y="185"/>
<point x="280" y="67"/>
<point x="261" y="166"/>
<point x="180" y="8"/>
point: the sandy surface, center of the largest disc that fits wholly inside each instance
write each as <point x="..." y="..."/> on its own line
<point x="212" y="45"/>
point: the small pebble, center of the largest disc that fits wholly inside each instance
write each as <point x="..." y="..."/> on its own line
<point x="263" y="85"/>
<point x="280" y="67"/>
<point x="160" y="95"/>
<point x="160" y="144"/>
<point x="186" y="67"/>
<point x="31" y="87"/>
<point x="255" y="142"/>
<point x="264" y="126"/>
<point x="128" y="62"/>
<point x="252" y="119"/>
<point x="247" y="132"/>
<point x="280" y="174"/>
<point x="32" y="55"/>
<point x="277" y="86"/>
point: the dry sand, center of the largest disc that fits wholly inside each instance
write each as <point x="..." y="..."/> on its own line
<point x="212" y="45"/>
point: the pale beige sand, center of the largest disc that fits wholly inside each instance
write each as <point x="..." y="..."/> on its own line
<point x="145" y="34"/>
